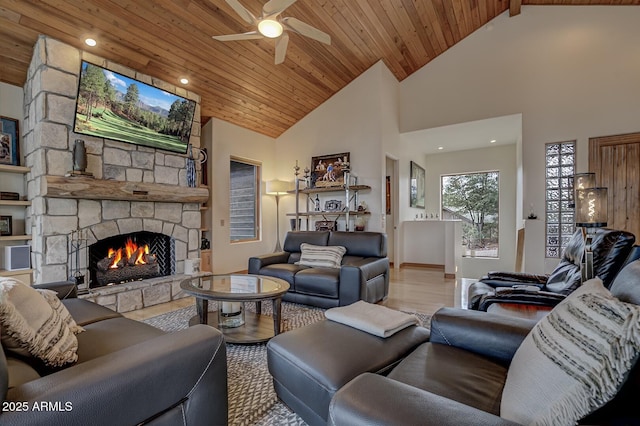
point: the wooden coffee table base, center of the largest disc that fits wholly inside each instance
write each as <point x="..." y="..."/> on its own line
<point x="257" y="328"/>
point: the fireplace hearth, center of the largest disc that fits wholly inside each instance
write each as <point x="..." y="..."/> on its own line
<point x="131" y="257"/>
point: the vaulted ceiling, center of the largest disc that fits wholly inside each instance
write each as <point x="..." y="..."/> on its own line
<point x="238" y="81"/>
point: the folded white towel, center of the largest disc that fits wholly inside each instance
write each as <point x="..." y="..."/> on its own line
<point x="373" y="319"/>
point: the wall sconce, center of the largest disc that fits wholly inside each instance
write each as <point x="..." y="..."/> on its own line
<point x="591" y="212"/>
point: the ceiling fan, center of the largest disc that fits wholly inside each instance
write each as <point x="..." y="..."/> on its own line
<point x="270" y="25"/>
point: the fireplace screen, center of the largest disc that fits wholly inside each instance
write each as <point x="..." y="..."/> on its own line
<point x="131" y="257"/>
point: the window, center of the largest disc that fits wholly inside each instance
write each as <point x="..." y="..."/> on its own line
<point x="473" y="198"/>
<point x="244" y="196"/>
<point x="560" y="160"/>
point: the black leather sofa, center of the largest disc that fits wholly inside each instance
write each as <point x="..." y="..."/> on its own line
<point x="364" y="274"/>
<point x="612" y="249"/>
<point x="127" y="373"/>
<point x="458" y="376"/>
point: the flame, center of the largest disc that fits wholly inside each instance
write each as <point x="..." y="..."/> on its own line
<point x="129" y="251"/>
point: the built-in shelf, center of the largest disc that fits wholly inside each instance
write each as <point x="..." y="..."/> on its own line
<point x="14" y="169"/>
<point x="15" y="238"/>
<point x="14" y="203"/>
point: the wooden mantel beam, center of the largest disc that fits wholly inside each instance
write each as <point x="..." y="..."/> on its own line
<point x="514" y="7"/>
<point x="101" y="189"/>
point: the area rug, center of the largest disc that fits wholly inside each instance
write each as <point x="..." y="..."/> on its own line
<point x="252" y="399"/>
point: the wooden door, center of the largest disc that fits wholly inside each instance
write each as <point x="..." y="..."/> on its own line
<point x="616" y="162"/>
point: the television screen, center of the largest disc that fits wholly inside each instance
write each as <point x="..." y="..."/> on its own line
<point x="112" y="106"/>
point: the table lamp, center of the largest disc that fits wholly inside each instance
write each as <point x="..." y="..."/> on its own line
<point x="277" y="188"/>
<point x="591" y="213"/>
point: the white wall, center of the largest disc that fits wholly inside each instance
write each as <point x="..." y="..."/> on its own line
<point x="500" y="158"/>
<point x="350" y="121"/>
<point x="228" y="140"/>
<point x="571" y="71"/>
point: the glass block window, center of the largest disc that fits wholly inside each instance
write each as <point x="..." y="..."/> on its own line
<point x="560" y="161"/>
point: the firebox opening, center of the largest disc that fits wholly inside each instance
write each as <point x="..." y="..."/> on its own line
<point x="131" y="257"/>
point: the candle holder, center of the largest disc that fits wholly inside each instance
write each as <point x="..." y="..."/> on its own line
<point x="231" y="314"/>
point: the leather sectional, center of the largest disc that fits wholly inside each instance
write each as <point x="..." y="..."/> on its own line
<point x="128" y="372"/>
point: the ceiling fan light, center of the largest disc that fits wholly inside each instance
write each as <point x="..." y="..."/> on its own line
<point x="270" y="28"/>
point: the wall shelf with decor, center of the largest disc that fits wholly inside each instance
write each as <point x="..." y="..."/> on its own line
<point x="12" y="228"/>
<point x="348" y="210"/>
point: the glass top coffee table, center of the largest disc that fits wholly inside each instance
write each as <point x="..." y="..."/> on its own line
<point x="231" y="292"/>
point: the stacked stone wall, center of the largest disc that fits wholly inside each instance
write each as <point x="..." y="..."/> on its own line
<point x="49" y="110"/>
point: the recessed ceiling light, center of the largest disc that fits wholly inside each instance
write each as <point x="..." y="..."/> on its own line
<point x="90" y="42"/>
<point x="184" y="81"/>
<point x="492" y="141"/>
<point x="441" y="147"/>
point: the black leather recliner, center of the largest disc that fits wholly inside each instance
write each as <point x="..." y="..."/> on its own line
<point x="363" y="275"/>
<point x="457" y="378"/>
<point x="611" y="250"/>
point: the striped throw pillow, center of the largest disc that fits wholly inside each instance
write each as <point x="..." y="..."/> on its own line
<point x="30" y="326"/>
<point x="574" y="360"/>
<point x="321" y="256"/>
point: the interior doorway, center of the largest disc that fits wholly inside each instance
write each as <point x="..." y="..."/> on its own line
<point x="391" y="208"/>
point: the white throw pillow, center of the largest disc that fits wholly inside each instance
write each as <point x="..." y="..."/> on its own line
<point x="29" y="325"/>
<point x="574" y="360"/>
<point x="321" y="256"/>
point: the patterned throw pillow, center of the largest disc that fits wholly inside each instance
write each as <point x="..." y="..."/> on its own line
<point x="52" y="299"/>
<point x="574" y="360"/>
<point x="29" y="325"/>
<point x="321" y="256"/>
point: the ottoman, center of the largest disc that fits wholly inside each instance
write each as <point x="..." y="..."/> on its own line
<point x="310" y="364"/>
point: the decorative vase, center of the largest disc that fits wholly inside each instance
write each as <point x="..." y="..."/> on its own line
<point x="79" y="156"/>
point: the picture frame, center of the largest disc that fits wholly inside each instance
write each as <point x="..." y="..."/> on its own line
<point x="327" y="171"/>
<point x="6" y="226"/>
<point x="9" y="142"/>
<point x="333" y="206"/>
<point x="326" y="225"/>
<point x="416" y="186"/>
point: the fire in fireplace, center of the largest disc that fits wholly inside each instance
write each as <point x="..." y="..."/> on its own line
<point x="131" y="257"/>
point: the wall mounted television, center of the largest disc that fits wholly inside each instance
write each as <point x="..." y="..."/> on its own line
<point x="112" y="106"/>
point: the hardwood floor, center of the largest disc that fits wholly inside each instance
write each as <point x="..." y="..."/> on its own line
<point x="411" y="288"/>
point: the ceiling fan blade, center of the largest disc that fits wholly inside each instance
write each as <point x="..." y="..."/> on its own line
<point x="306" y="30"/>
<point x="275" y="7"/>
<point x="281" y="48"/>
<point x="253" y="35"/>
<point x="242" y="11"/>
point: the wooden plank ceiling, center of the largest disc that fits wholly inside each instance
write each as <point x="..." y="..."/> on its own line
<point x="238" y="81"/>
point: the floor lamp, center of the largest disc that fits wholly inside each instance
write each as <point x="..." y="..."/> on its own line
<point x="591" y="213"/>
<point x="277" y="188"/>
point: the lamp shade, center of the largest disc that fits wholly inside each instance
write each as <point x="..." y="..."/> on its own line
<point x="580" y="181"/>
<point x="591" y="207"/>
<point x="277" y="187"/>
<point x="584" y="180"/>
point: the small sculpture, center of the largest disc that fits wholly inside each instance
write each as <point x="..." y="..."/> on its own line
<point x="205" y="244"/>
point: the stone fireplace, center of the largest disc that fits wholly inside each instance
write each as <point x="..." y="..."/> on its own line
<point x="134" y="189"/>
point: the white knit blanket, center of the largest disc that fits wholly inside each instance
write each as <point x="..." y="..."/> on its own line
<point x="373" y="319"/>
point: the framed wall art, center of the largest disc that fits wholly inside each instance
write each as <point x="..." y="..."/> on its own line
<point x="6" y="226"/>
<point x="327" y="171"/>
<point x="9" y="146"/>
<point x="416" y="186"/>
